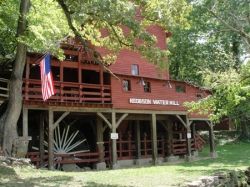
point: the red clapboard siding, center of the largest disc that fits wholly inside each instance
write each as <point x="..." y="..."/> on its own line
<point x="160" y="89"/>
<point x="126" y="58"/>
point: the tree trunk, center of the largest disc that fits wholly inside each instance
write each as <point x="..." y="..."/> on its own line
<point x="8" y="121"/>
<point x="245" y="130"/>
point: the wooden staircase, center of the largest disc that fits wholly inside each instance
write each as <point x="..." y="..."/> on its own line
<point x="4" y="90"/>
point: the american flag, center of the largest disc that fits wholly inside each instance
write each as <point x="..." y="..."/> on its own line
<point x="46" y="78"/>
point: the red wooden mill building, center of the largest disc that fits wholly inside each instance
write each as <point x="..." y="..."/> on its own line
<point x="99" y="120"/>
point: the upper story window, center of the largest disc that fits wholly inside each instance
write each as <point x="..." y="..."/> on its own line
<point x="180" y="88"/>
<point x="199" y="96"/>
<point x="134" y="69"/>
<point x="126" y="85"/>
<point x="147" y="86"/>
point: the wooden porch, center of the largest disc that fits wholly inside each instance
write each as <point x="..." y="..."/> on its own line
<point x="126" y="150"/>
<point x="68" y="92"/>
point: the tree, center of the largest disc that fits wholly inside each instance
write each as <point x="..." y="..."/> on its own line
<point x="8" y="134"/>
<point x="85" y="20"/>
<point x="230" y="98"/>
<point x="205" y="45"/>
<point x="210" y="53"/>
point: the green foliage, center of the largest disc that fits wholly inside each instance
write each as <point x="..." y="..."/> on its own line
<point x="126" y="22"/>
<point x="230" y="95"/>
<point x="48" y="26"/>
<point x="205" y="45"/>
<point x="8" y="16"/>
<point x="209" y="53"/>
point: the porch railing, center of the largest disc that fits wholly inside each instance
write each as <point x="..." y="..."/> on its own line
<point x="126" y="148"/>
<point x="69" y="92"/>
<point x="179" y="146"/>
<point x="4" y="88"/>
<point x="68" y="158"/>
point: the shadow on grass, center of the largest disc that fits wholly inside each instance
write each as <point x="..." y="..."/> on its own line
<point x="55" y="181"/>
<point x="94" y="184"/>
<point x="4" y="170"/>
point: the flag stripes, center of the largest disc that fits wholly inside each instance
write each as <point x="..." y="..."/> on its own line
<point x="46" y="78"/>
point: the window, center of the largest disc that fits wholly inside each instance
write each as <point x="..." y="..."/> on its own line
<point x="180" y="89"/>
<point x="126" y="85"/>
<point x="199" y="96"/>
<point x="146" y="86"/>
<point x="134" y="69"/>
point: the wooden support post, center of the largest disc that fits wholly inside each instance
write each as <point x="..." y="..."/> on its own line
<point x="193" y="129"/>
<point x="189" y="141"/>
<point x="170" y="137"/>
<point x="100" y="143"/>
<point x="129" y="145"/>
<point x="145" y="145"/>
<point x="101" y="83"/>
<point x="80" y="74"/>
<point x="41" y="139"/>
<point x="25" y="122"/>
<point x="114" y="146"/>
<point x="154" y="138"/>
<point x="61" y="82"/>
<point x="211" y="140"/>
<point x="138" y="139"/>
<point x="51" y="140"/>
<point x="194" y="135"/>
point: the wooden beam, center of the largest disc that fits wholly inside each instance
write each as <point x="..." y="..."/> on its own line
<point x="138" y="139"/>
<point x="60" y="119"/>
<point x="114" y="146"/>
<point x="25" y="122"/>
<point x="182" y="121"/>
<point x="209" y="123"/>
<point x="41" y="138"/>
<point x="154" y="138"/>
<point x="164" y="125"/>
<point x="170" y="137"/>
<point x="104" y="119"/>
<point x="51" y="141"/>
<point x="121" y="119"/>
<point x="104" y="128"/>
<point x="100" y="143"/>
<point x="188" y="141"/>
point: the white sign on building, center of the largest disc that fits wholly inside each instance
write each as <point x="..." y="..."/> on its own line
<point x="153" y="101"/>
<point x="114" y="136"/>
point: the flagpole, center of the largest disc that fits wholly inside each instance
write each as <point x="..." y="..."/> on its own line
<point x="38" y="60"/>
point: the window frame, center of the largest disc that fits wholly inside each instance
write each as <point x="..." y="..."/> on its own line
<point x="129" y="89"/>
<point x="180" y="88"/>
<point x="135" y="69"/>
<point x="147" y="87"/>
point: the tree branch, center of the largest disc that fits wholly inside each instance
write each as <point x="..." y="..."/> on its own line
<point x="97" y="55"/>
<point x="118" y="38"/>
<point x="70" y="23"/>
<point x="239" y="31"/>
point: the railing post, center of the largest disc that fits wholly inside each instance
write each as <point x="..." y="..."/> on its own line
<point x="145" y="144"/>
<point x="101" y="84"/>
<point x="129" y="145"/>
<point x="120" y="155"/>
<point x="163" y="145"/>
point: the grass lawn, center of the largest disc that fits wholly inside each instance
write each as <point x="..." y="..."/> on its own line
<point x="230" y="156"/>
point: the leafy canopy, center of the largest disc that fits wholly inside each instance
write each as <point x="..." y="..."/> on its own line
<point x="48" y="24"/>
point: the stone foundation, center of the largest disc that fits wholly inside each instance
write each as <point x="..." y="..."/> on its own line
<point x="172" y="159"/>
<point x="143" y="161"/>
<point x="214" y="154"/>
<point x="100" y="166"/>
